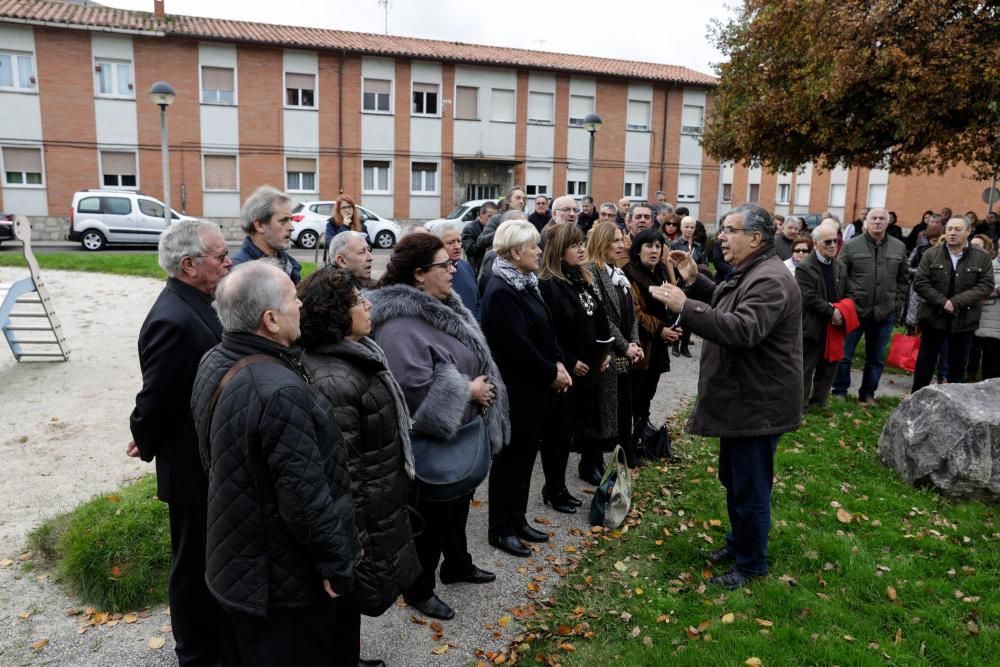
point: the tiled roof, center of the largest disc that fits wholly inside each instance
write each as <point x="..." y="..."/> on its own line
<point x="64" y="13"/>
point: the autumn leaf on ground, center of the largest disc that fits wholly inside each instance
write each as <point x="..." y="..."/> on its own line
<point x="477" y="503"/>
<point x="843" y="516"/>
<point x="504" y="621"/>
<point x="754" y="662"/>
<point x="40" y="644"/>
<point x="418" y="620"/>
<point x="116" y="571"/>
<point x="156" y="643"/>
<point x="24" y="615"/>
<point x="6" y="562"/>
<point x="130" y="618"/>
<point x="440" y="649"/>
<point x="566" y="646"/>
<point x="620" y="566"/>
<point x="890" y="592"/>
<point x="728" y="618"/>
<point x="764" y="623"/>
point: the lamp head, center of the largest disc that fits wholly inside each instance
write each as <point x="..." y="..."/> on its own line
<point x="162" y="93"/>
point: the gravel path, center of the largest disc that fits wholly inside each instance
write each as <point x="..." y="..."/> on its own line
<point x="64" y="430"/>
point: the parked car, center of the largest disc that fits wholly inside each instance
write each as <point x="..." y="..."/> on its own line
<point x="6" y="227"/>
<point x="309" y="225"/>
<point x="464" y="213"/>
<point x="100" y="217"/>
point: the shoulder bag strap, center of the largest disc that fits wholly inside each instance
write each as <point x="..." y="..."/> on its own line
<point x="231" y="373"/>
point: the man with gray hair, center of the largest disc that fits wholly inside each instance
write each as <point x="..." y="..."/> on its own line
<point x="791" y="227"/>
<point x="281" y="542"/>
<point x="180" y="327"/>
<point x="266" y="218"/>
<point x="752" y="327"/>
<point x="349" y="250"/>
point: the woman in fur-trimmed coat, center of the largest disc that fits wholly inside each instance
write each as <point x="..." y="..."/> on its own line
<point x="440" y="358"/>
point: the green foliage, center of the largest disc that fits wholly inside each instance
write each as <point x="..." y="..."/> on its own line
<point x="142" y="264"/>
<point x="113" y="550"/>
<point x="854" y="81"/>
<point x="864" y="569"/>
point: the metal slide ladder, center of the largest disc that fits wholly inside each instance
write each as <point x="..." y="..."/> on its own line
<point x="27" y="317"/>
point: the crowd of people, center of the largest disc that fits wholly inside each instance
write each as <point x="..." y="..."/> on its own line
<point x="290" y="419"/>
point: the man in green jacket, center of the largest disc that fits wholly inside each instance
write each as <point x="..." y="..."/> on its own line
<point x="953" y="279"/>
<point x="876" y="280"/>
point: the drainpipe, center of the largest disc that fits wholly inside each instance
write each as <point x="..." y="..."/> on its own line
<point x="663" y="139"/>
<point x="340" y="128"/>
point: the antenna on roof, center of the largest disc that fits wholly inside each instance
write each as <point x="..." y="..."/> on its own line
<point x="384" y="4"/>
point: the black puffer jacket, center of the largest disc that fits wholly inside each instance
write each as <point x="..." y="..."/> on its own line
<point x="280" y="517"/>
<point x="370" y="409"/>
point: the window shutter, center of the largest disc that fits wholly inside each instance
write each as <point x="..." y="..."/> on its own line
<point x="122" y="164"/>
<point x="217" y="78"/>
<point x="301" y="81"/>
<point x="220" y="172"/>
<point x="300" y="164"/>
<point x="22" y="159"/>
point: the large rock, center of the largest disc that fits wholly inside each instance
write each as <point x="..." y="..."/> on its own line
<point x="948" y="437"/>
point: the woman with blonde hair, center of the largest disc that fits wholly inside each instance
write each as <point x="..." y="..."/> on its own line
<point x="580" y="321"/>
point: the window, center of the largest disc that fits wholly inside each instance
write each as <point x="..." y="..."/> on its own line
<point x="784" y="193"/>
<point x="118" y="170"/>
<point x="579" y="107"/>
<point x="116" y="205"/>
<point x="114" y="78"/>
<point x="300" y="90"/>
<point x="638" y="115"/>
<point x="300" y="174"/>
<point x="576" y="188"/>
<point x="688" y="187"/>
<point x="692" y="119"/>
<point x="220" y="173"/>
<point x="153" y="209"/>
<point x="838" y="193"/>
<point x="727" y="192"/>
<point x="753" y="193"/>
<point x="876" y="195"/>
<point x="425" y="99"/>
<point x="478" y="191"/>
<point x="635" y="184"/>
<point x="322" y="209"/>
<point x="17" y="71"/>
<point x="89" y="205"/>
<point x="466" y="103"/>
<point x="423" y="178"/>
<point x="22" y="166"/>
<point x="376" y="95"/>
<point x="218" y="85"/>
<point x="502" y="105"/>
<point x="540" y="108"/>
<point x="802" y="194"/>
<point x="375" y="177"/>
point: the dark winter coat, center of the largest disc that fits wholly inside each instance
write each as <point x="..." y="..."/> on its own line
<point x="434" y="348"/>
<point x="750" y="380"/>
<point x="973" y="282"/>
<point x="249" y="252"/>
<point x="519" y="328"/>
<point x="369" y="407"/>
<point x="816" y="300"/>
<point x="180" y="327"/>
<point x="651" y="315"/>
<point x="470" y="235"/>
<point x="280" y="516"/>
<point x="876" y="275"/>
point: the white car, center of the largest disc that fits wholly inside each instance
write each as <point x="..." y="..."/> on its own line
<point x="466" y="212"/>
<point x="309" y="225"/>
<point x="100" y="217"/>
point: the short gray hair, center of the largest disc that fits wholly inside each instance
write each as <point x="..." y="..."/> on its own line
<point x="513" y="234"/>
<point x="829" y="223"/>
<point x="439" y="228"/>
<point x="639" y="204"/>
<point x="755" y="219"/>
<point x="609" y="205"/>
<point x="341" y="240"/>
<point x="246" y="292"/>
<point x="665" y="208"/>
<point x="180" y="240"/>
<point x="259" y="207"/>
<point x="798" y="219"/>
<point x="513" y="215"/>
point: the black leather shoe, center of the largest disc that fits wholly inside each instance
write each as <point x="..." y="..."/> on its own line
<point x="432" y="606"/>
<point x="529" y="534"/>
<point x="676" y="351"/>
<point x="370" y="663"/>
<point x="719" y="555"/>
<point x="558" y="501"/>
<point x="733" y="579"/>
<point x="572" y="500"/>
<point x="589" y="475"/>
<point x="510" y="544"/>
<point x="685" y="351"/>
<point x="475" y="576"/>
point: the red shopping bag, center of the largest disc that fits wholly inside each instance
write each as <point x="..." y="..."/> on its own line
<point x="903" y="351"/>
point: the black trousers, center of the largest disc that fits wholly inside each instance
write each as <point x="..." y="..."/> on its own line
<point x="194" y="614"/>
<point x="326" y="634"/>
<point x="991" y="357"/>
<point x="817" y="372"/>
<point x="644" y="383"/>
<point x="746" y="469"/>
<point x="443" y="534"/>
<point x="510" y="483"/>
<point x="930" y="346"/>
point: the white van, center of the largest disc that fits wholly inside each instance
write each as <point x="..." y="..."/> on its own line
<point x="100" y="217"/>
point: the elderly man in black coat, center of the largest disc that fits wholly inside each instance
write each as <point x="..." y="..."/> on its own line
<point x="179" y="329"/>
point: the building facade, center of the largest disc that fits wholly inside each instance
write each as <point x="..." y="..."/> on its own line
<point x="408" y="127"/>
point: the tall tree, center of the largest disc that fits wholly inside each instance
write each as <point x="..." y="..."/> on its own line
<point x="857" y="81"/>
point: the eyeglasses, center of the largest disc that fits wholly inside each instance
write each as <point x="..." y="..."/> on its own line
<point x="729" y="229"/>
<point x="446" y="264"/>
<point x="568" y="209"/>
<point x="669" y="224"/>
<point x="221" y="258"/>
<point x="800" y="251"/>
<point x="829" y="242"/>
<point x="361" y="300"/>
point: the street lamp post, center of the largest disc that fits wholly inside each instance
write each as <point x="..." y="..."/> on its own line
<point x="162" y="94"/>
<point x="591" y="124"/>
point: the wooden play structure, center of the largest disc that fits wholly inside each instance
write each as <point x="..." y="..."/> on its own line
<point x="27" y="315"/>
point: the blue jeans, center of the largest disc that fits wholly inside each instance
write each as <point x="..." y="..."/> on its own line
<point x="877" y="333"/>
<point x="746" y="469"/>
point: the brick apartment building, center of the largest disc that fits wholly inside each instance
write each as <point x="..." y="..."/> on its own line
<point x="409" y="127"/>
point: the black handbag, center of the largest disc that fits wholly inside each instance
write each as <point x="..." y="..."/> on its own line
<point x="653" y="444"/>
<point x="450" y="469"/>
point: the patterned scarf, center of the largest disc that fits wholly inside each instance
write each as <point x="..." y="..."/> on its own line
<point x="513" y="276"/>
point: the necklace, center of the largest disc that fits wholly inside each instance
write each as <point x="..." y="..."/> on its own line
<point x="587" y="301"/>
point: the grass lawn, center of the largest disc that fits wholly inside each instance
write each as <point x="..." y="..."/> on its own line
<point x="865" y="570"/>
<point x="119" y="263"/>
